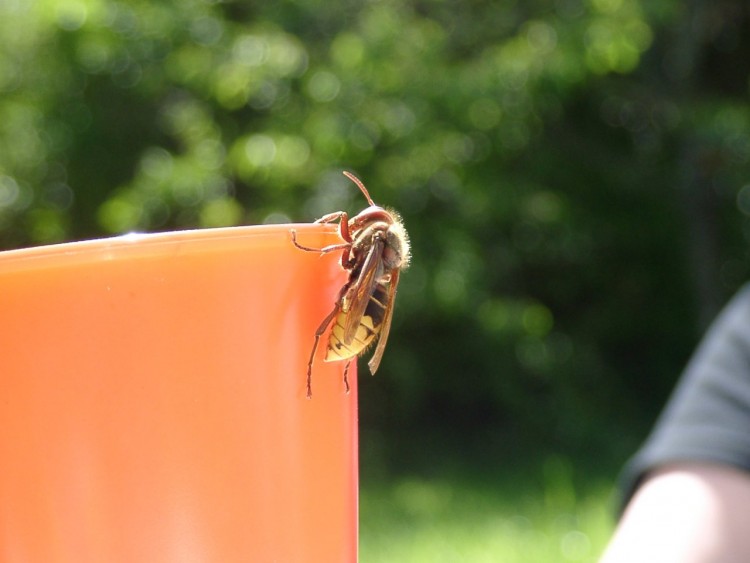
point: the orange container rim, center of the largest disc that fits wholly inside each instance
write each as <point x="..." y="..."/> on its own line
<point x="145" y="243"/>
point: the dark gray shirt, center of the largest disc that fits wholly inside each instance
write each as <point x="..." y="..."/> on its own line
<point x="708" y="416"/>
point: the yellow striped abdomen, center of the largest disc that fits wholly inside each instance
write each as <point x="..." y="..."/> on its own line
<point x="367" y="331"/>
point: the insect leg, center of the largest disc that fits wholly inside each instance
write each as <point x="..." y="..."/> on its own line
<point x="346" y="373"/>
<point x="324" y="250"/>
<point x="335" y="216"/>
<point x="343" y="220"/>
<point x="318" y="333"/>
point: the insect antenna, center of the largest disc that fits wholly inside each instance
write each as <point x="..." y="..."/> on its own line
<point x="362" y="187"/>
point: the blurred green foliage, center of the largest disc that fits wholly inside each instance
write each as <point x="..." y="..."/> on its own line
<point x="533" y="514"/>
<point x="573" y="174"/>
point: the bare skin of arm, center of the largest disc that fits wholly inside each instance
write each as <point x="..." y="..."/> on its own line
<point x="686" y="513"/>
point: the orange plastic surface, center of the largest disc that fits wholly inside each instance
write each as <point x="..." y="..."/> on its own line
<point x="152" y="402"/>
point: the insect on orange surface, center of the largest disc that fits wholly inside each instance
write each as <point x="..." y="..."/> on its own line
<point x="374" y="251"/>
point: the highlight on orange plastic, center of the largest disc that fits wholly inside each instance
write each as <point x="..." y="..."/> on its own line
<point x="153" y="401"/>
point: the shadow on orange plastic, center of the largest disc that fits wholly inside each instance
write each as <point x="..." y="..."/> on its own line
<point x="153" y="402"/>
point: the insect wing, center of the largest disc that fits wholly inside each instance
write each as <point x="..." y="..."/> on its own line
<point x="374" y="362"/>
<point x="362" y="289"/>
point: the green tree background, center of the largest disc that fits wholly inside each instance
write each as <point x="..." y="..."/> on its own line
<point x="573" y="174"/>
